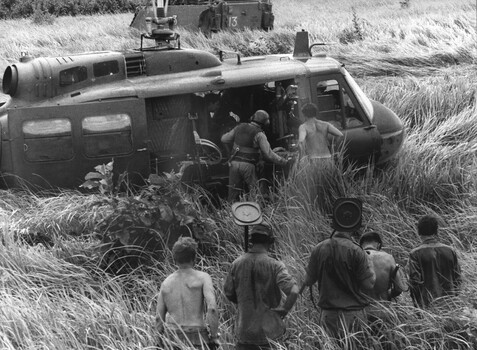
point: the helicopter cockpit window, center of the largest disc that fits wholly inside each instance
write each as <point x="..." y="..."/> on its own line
<point x="102" y="69"/>
<point x="73" y="75"/>
<point x="47" y="140"/>
<point x="107" y="135"/>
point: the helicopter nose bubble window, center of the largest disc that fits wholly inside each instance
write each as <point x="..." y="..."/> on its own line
<point x="107" y="135"/>
<point x="47" y="140"/>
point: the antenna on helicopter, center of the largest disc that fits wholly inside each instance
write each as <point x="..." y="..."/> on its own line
<point x="161" y="28"/>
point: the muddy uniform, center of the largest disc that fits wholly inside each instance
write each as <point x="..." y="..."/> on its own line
<point x="434" y="271"/>
<point x="340" y="267"/>
<point x="255" y="283"/>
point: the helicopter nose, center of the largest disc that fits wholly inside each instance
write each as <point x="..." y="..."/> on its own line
<point x="391" y="129"/>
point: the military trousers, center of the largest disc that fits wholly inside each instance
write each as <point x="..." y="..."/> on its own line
<point x="240" y="174"/>
<point x="339" y="323"/>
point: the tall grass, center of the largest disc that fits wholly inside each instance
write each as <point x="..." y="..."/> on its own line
<point x="416" y="60"/>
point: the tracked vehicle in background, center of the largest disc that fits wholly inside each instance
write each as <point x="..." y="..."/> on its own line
<point x="209" y="16"/>
<point x="147" y="110"/>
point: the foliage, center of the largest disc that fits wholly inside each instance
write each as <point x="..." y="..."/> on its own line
<point x="136" y="229"/>
<point x="419" y="63"/>
<point x="356" y="32"/>
<point x="26" y="8"/>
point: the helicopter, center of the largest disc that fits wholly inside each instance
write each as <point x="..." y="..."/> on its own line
<point x="209" y="16"/>
<point x="147" y="109"/>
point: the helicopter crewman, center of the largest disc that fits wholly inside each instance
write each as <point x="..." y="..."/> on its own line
<point x="249" y="144"/>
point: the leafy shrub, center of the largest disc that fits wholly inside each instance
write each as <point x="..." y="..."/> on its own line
<point x="137" y="229"/>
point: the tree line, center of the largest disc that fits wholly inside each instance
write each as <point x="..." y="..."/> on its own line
<point x="10" y="9"/>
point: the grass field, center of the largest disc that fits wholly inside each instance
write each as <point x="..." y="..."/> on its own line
<point x="419" y="60"/>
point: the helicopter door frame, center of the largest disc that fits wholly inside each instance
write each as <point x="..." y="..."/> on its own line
<point x="364" y="140"/>
<point x="60" y="144"/>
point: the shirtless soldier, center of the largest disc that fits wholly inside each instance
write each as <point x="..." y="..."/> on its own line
<point x="390" y="277"/>
<point x="182" y="297"/>
<point x="315" y="154"/>
<point x="313" y="134"/>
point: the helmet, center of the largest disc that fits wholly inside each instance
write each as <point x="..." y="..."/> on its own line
<point x="371" y="237"/>
<point x="261" y="117"/>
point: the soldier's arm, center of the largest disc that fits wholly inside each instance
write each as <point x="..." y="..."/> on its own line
<point x="267" y="152"/>
<point x="311" y="273"/>
<point x="287" y="284"/>
<point x="160" y="312"/>
<point x="229" y="288"/>
<point x="367" y="276"/>
<point x="291" y="298"/>
<point x="415" y="278"/>
<point x="228" y="137"/>
<point x="334" y="130"/>
<point x="212" y="317"/>
<point x="301" y="138"/>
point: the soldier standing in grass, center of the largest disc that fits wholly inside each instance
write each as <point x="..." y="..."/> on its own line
<point x="390" y="283"/>
<point x="255" y="283"/>
<point x="182" y="298"/>
<point x="434" y="269"/>
<point x="313" y="135"/>
<point x="249" y="144"/>
<point x="342" y="269"/>
<point x="390" y="277"/>
<point x="315" y="154"/>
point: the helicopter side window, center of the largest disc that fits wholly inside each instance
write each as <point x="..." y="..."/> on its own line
<point x="102" y="69"/>
<point x="107" y="135"/>
<point x="73" y="75"/>
<point x="47" y="140"/>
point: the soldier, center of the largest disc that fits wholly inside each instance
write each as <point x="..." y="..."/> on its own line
<point x="316" y="156"/>
<point x="313" y="134"/>
<point x="342" y="270"/>
<point x="434" y="269"/>
<point x="249" y="143"/>
<point x="182" y="297"/>
<point x="390" y="277"/>
<point x="255" y="282"/>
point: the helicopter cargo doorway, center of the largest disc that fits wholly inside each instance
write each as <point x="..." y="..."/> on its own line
<point x="64" y="143"/>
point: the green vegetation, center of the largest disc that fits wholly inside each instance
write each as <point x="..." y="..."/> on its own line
<point x="418" y="59"/>
<point x="24" y="8"/>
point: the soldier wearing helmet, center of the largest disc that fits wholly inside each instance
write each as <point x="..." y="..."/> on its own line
<point x="255" y="283"/>
<point x="250" y="144"/>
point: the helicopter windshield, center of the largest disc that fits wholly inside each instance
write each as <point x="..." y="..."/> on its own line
<point x="363" y="100"/>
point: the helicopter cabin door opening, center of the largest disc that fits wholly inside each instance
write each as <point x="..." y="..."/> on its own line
<point x="64" y="143"/>
<point x="339" y="105"/>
